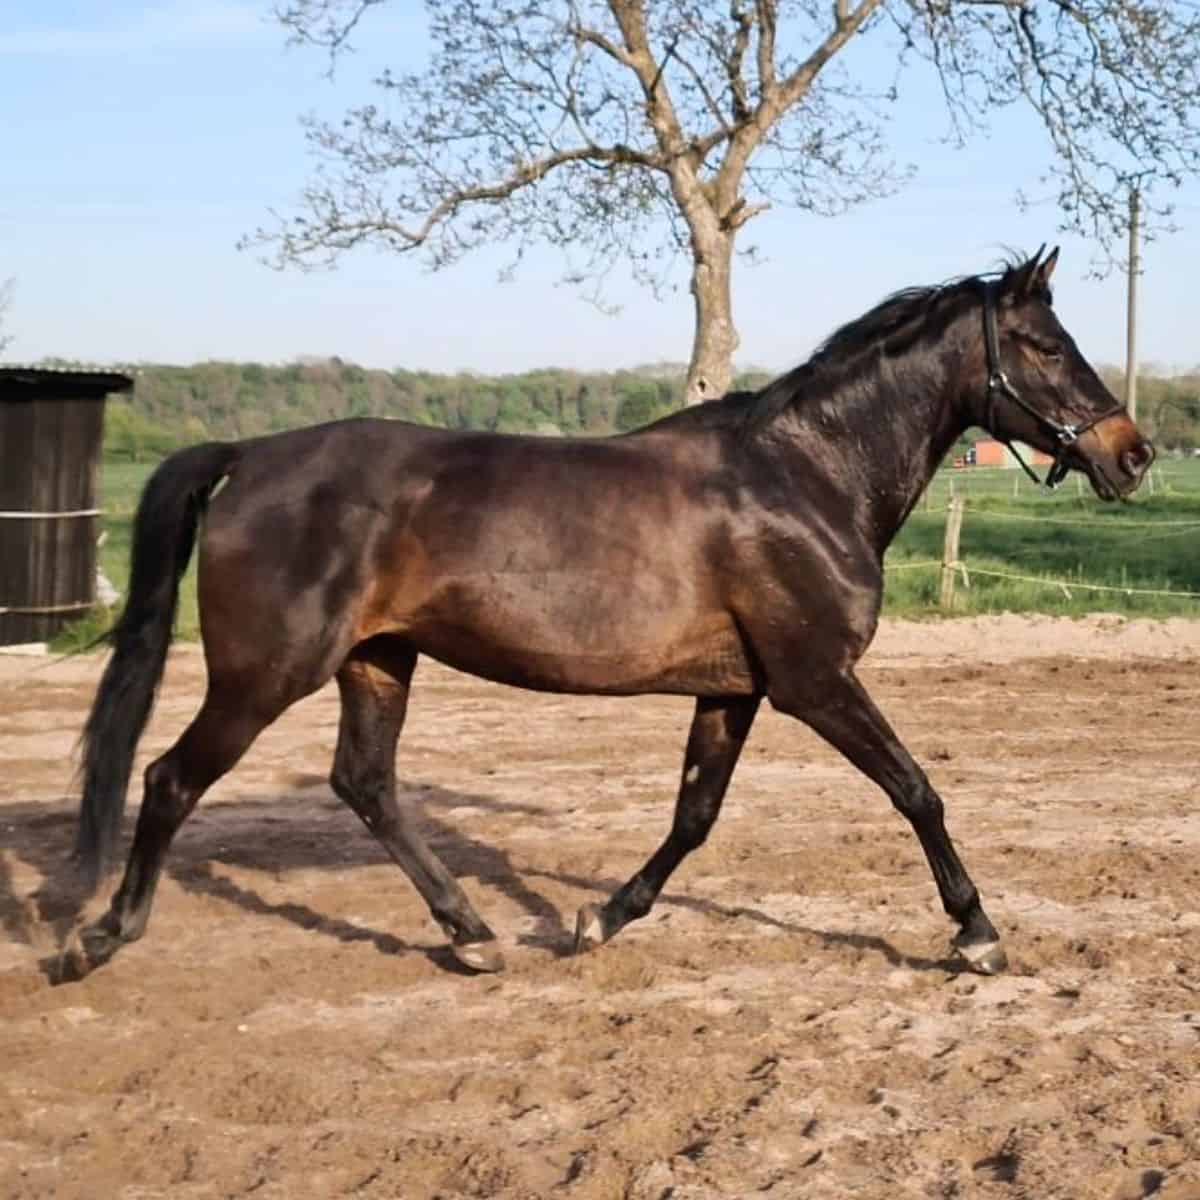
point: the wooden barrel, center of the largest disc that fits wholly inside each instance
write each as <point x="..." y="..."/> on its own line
<point x="51" y="428"/>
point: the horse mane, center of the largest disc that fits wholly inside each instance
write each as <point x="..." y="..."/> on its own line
<point x="893" y="326"/>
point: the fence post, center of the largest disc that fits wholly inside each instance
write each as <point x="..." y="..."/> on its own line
<point x="954" y="520"/>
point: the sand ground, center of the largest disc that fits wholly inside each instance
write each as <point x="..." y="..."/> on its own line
<point x="786" y="1023"/>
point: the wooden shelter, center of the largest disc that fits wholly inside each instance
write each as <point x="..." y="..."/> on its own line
<point x="51" y="428"/>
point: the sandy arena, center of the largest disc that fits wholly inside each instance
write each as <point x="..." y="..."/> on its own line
<point x="785" y="1024"/>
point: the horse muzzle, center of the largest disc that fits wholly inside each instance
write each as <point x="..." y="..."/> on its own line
<point x="1124" y="458"/>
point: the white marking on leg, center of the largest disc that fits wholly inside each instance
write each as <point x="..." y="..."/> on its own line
<point x="471" y="955"/>
<point x="974" y="952"/>
<point x="693" y="773"/>
<point x="480" y="956"/>
<point x="986" y="958"/>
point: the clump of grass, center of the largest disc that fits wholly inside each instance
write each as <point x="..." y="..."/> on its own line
<point x="85" y="633"/>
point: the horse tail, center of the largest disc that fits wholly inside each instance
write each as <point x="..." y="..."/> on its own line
<point x="164" y="532"/>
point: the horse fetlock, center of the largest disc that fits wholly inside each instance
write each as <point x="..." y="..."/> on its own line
<point x="132" y="923"/>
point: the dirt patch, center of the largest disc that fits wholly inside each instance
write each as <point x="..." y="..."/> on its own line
<point x="786" y="1023"/>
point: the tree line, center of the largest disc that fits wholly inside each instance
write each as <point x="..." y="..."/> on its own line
<point x="173" y="406"/>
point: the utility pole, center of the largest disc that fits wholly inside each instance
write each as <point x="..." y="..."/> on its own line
<point x="1135" y="269"/>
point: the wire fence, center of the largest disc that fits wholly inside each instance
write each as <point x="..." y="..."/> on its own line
<point x="1004" y="543"/>
<point x="1066" y="586"/>
<point x="1169" y="477"/>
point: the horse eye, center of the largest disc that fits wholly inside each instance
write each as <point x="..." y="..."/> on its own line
<point x="1052" y="352"/>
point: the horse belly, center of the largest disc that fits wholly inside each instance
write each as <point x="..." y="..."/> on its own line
<point x="580" y="632"/>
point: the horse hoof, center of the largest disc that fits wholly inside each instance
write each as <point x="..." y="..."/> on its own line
<point x="984" y="958"/>
<point x="589" y="928"/>
<point x="483" y="957"/>
<point x="85" y="949"/>
<point x="73" y="963"/>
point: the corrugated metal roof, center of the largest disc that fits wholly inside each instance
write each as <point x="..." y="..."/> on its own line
<point x="19" y="382"/>
<point x="87" y="368"/>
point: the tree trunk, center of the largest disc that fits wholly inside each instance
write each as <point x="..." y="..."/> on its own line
<point x="710" y="371"/>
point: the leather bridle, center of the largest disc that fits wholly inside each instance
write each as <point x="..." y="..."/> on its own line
<point x="997" y="382"/>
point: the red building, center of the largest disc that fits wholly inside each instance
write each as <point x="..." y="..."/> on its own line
<point x="990" y="453"/>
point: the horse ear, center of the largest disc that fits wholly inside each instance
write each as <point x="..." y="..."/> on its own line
<point x="1025" y="279"/>
<point x="1041" y="277"/>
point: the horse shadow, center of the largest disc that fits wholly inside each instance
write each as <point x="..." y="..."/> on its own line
<point x="276" y="836"/>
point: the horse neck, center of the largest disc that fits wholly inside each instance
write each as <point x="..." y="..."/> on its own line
<point x="882" y="434"/>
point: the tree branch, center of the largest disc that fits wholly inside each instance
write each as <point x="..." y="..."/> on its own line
<point x="847" y="24"/>
<point x="593" y="37"/>
<point x="743" y="22"/>
<point x="778" y="98"/>
<point x="301" y="238"/>
<point x="660" y="110"/>
<point x="768" y="13"/>
<point x="702" y="88"/>
<point x="318" y="23"/>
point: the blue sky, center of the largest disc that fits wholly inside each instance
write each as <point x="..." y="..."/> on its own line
<point x="140" y="140"/>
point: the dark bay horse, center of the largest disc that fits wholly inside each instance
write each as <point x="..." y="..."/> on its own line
<point x="730" y="552"/>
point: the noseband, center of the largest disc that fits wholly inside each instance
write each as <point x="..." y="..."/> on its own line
<point x="997" y="382"/>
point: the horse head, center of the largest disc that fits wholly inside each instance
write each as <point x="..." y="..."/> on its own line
<point x="1041" y="390"/>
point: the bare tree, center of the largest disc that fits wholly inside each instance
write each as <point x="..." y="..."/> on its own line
<point x="646" y="130"/>
<point x="6" y="294"/>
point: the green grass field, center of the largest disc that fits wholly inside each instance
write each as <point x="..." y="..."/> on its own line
<point x="1009" y="526"/>
<point x="1151" y="543"/>
<point x="120" y="486"/>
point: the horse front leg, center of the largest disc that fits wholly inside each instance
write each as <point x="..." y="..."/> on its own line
<point x="842" y="712"/>
<point x="718" y="732"/>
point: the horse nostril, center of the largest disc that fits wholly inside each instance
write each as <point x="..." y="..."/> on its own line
<point x="1137" y="458"/>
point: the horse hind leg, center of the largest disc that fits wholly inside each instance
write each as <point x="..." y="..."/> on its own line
<point x="374" y="688"/>
<point x="218" y="736"/>
<point x="719" y="730"/>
